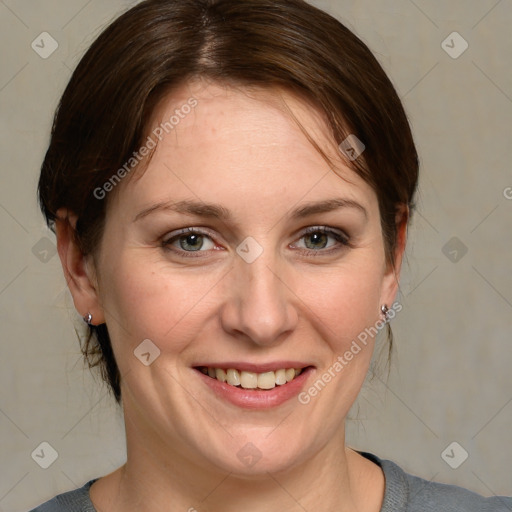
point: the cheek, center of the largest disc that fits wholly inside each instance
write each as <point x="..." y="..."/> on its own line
<point x="345" y="300"/>
<point x="145" y="300"/>
<point x="345" y="311"/>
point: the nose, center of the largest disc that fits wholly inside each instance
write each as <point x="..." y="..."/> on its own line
<point x="260" y="306"/>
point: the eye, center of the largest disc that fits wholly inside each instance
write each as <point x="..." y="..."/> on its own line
<point x="314" y="240"/>
<point x="319" y="238"/>
<point x="188" y="241"/>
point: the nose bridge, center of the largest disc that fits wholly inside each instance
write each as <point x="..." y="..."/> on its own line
<point x="260" y="305"/>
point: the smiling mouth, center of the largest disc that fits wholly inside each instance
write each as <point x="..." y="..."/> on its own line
<point x="252" y="380"/>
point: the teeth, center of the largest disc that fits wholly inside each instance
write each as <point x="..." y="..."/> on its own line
<point x="233" y="377"/>
<point x="221" y="375"/>
<point x="267" y="380"/>
<point x="249" y="380"/>
<point x="280" y="377"/>
<point x="252" y="380"/>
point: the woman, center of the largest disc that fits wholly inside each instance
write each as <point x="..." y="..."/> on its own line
<point x="230" y="183"/>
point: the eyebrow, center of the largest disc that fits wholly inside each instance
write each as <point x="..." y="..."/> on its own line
<point x="216" y="211"/>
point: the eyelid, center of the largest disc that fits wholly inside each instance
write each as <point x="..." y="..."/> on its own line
<point x="169" y="238"/>
<point x="184" y="231"/>
<point x="326" y="230"/>
<point x="343" y="240"/>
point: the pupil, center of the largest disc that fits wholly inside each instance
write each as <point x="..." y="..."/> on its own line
<point x="192" y="241"/>
<point x="318" y="238"/>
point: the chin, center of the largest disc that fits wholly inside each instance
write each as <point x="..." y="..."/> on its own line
<point x="257" y="455"/>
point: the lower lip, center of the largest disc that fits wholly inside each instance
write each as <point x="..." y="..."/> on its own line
<point x="256" y="399"/>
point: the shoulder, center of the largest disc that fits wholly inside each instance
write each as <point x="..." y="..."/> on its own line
<point x="72" y="501"/>
<point x="409" y="493"/>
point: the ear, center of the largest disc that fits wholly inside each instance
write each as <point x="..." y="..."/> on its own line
<point x="78" y="269"/>
<point x="392" y="273"/>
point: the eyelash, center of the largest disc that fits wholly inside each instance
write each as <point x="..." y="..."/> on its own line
<point x="342" y="239"/>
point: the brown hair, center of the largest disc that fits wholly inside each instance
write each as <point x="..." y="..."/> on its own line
<point x="157" y="45"/>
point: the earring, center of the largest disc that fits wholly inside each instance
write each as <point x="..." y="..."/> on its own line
<point x="88" y="319"/>
<point x="385" y="311"/>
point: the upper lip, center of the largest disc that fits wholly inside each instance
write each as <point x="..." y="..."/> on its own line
<point x="255" y="368"/>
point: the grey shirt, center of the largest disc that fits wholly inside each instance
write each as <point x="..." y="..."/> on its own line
<point x="404" y="493"/>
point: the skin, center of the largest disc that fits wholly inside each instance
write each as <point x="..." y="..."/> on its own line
<point x="304" y="298"/>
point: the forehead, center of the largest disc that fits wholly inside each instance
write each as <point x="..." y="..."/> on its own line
<point x="213" y="140"/>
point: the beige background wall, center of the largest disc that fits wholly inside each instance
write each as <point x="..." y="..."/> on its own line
<point x="451" y="379"/>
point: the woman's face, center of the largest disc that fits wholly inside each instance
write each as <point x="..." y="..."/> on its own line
<point x="284" y="268"/>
